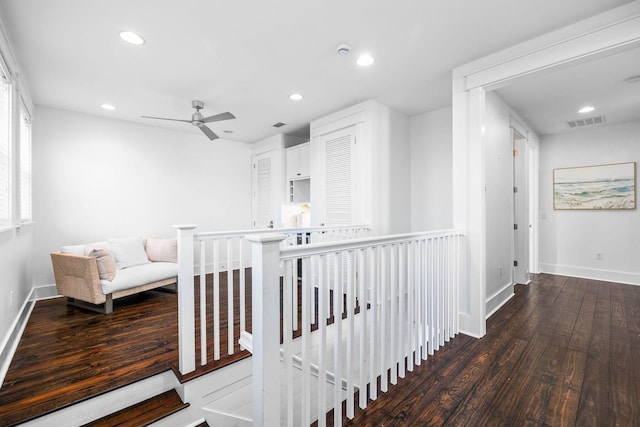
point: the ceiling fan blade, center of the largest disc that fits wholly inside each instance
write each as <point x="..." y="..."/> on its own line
<point x="218" y="117"/>
<point x="164" y="118"/>
<point x="208" y="132"/>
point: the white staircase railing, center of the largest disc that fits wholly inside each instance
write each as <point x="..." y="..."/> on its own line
<point x="225" y="257"/>
<point x="368" y="307"/>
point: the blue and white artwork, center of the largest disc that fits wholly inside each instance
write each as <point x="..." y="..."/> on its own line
<point x="595" y="187"/>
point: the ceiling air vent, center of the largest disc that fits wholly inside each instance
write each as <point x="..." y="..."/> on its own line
<point x="587" y="122"/>
<point x="278" y="125"/>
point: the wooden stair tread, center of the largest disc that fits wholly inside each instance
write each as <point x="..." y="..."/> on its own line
<point x="143" y="413"/>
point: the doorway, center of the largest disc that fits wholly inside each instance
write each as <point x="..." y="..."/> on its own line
<point x="520" y="207"/>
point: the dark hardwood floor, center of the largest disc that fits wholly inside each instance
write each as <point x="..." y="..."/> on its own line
<point x="562" y="352"/>
<point x="67" y="354"/>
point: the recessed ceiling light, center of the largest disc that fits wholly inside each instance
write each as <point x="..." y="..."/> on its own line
<point x="586" y="109"/>
<point x="108" y="107"/>
<point x="131" y="37"/>
<point x="295" y="96"/>
<point x="365" y="60"/>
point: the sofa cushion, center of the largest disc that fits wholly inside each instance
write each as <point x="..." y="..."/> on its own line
<point x="140" y="275"/>
<point x="128" y="252"/>
<point x="106" y="264"/>
<point x="163" y="250"/>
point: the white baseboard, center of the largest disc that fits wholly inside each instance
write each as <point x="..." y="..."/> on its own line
<point x="10" y="343"/>
<point x="498" y="299"/>
<point x="592" y="273"/>
<point x="44" y="292"/>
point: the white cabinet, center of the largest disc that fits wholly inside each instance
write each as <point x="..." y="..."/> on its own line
<point x="298" y="162"/>
<point x="360" y="166"/>
<point x="298" y="173"/>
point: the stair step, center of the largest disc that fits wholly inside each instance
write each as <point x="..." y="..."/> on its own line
<point x="143" y="413"/>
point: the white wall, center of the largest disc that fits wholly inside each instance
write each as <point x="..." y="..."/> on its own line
<point x="498" y="149"/>
<point x="97" y="178"/>
<point x="569" y="240"/>
<point x="391" y="172"/>
<point x="15" y="276"/>
<point x="431" y="179"/>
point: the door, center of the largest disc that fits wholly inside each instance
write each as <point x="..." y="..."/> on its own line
<point x="520" y="209"/>
<point x="338" y="196"/>
<point x="263" y="190"/>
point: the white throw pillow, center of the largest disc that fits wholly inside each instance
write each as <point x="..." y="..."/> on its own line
<point x="162" y="250"/>
<point x="128" y="252"/>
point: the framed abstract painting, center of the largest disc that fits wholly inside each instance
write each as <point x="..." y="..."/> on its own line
<point x="603" y="187"/>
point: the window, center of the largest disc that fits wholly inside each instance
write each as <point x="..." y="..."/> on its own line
<point x="5" y="150"/>
<point x="25" y="166"/>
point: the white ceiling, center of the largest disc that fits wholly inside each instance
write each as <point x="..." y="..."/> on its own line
<point x="247" y="57"/>
<point x="547" y="101"/>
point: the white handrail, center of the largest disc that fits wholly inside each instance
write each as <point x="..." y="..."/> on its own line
<point x="210" y="235"/>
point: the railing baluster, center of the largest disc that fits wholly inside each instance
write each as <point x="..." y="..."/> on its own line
<point x="243" y="291"/>
<point x="216" y="300"/>
<point x="457" y="283"/>
<point x="423" y="296"/>
<point x="323" y="290"/>
<point x="432" y="296"/>
<point x="230" y="316"/>
<point x="296" y="275"/>
<point x="410" y="307"/>
<point x="350" y="334"/>
<point x="402" y="312"/>
<point x="418" y="302"/>
<point x="373" y="284"/>
<point x="307" y="286"/>
<point x="337" y="348"/>
<point x="203" y="303"/>
<point x="360" y="272"/>
<point x="393" y="273"/>
<point x="286" y="338"/>
<point x="384" y="348"/>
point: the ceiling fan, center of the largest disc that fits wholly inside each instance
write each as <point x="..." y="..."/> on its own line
<point x="199" y="121"/>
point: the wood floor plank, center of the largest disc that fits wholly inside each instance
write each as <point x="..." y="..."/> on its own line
<point x="67" y="355"/>
<point x="143" y="413"/>
<point x="553" y="356"/>
<point x="562" y="351"/>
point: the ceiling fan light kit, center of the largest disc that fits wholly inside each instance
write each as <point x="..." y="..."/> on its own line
<point x="199" y="121"/>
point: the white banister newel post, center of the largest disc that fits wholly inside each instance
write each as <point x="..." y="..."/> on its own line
<point x="186" y="300"/>
<point x="265" y="311"/>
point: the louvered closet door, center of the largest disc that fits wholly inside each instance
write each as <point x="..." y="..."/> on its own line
<point x="263" y="206"/>
<point x="339" y="167"/>
<point x="339" y="185"/>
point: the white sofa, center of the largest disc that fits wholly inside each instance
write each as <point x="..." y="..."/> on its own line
<point x="91" y="276"/>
